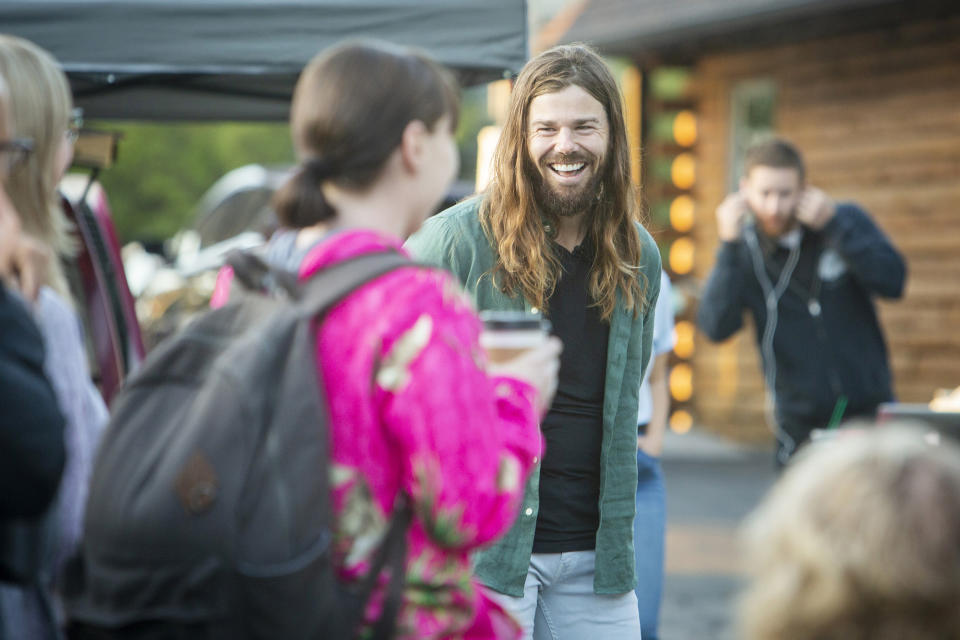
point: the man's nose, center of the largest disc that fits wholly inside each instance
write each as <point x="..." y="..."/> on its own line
<point x="565" y="142"/>
<point x="774" y="204"/>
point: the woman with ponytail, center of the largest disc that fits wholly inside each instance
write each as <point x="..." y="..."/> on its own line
<point x="414" y="406"/>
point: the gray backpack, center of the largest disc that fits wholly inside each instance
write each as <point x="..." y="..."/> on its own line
<point x="209" y="513"/>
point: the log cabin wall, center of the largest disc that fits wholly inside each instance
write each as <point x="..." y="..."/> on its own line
<point x="877" y="116"/>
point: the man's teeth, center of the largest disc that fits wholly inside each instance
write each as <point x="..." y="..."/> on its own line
<point x="568" y="167"/>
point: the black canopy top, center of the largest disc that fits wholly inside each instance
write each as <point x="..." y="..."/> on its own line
<point x="239" y="59"/>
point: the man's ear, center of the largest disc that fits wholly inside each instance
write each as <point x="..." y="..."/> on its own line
<point x="412" y="144"/>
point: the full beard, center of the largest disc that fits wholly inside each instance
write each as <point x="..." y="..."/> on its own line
<point x="777" y="228"/>
<point x="564" y="203"/>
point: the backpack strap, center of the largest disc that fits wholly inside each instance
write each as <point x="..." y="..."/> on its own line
<point x="254" y="274"/>
<point x="331" y="284"/>
<point x="323" y="290"/>
<point x="391" y="555"/>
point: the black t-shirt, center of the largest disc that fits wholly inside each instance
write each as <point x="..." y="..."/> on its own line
<point x="570" y="471"/>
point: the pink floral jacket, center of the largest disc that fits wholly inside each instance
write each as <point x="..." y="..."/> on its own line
<point x="413" y="410"/>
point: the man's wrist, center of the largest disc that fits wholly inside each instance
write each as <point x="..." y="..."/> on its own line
<point x="650" y="446"/>
<point x="835" y="224"/>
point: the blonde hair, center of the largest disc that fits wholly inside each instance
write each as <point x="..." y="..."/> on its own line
<point x="526" y="262"/>
<point x="859" y="540"/>
<point x="40" y="107"/>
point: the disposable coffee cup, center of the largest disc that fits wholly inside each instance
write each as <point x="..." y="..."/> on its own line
<point x="507" y="334"/>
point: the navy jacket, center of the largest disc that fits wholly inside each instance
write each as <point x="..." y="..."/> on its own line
<point x="827" y="340"/>
<point x="31" y="427"/>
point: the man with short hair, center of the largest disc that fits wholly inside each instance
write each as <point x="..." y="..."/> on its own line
<point x="557" y="231"/>
<point x="807" y="269"/>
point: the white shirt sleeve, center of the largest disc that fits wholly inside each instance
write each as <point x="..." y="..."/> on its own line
<point x="663" y="341"/>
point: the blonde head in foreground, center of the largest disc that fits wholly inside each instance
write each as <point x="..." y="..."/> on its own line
<point x="860" y="539"/>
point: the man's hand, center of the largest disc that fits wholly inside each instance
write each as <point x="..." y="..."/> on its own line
<point x="653" y="447"/>
<point x="815" y="208"/>
<point x="730" y="216"/>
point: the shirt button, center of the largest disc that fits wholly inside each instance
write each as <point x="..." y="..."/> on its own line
<point x="529" y="511"/>
<point x="536" y="459"/>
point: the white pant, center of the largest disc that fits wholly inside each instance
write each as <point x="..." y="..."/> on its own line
<point x="558" y="602"/>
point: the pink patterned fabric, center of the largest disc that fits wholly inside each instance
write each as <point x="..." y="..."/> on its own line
<point x="412" y="410"/>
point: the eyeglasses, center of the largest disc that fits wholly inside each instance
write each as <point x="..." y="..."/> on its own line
<point x="75" y="124"/>
<point x="13" y="153"/>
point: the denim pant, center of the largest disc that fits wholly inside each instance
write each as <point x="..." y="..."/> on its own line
<point x="648" y="541"/>
<point x="558" y="602"/>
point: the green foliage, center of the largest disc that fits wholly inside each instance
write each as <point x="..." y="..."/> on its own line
<point x="661" y="213"/>
<point x="162" y="170"/>
<point x="671" y="83"/>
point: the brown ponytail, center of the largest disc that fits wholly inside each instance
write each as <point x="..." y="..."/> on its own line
<point x="350" y="108"/>
<point x="299" y="202"/>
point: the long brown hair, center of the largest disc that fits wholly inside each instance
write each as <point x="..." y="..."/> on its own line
<point x="350" y="108"/>
<point x="526" y="260"/>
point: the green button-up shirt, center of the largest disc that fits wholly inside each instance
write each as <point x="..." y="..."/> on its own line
<point x="455" y="240"/>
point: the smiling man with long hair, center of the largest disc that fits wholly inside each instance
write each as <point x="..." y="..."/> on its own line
<point x="558" y="232"/>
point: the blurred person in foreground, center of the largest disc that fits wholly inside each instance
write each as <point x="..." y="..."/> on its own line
<point x="31" y="427"/>
<point x="415" y="406"/>
<point x="858" y="540"/>
<point x="41" y="108"/>
<point x="32" y="451"/>
<point x="807" y="269"/>
<point x="558" y="230"/>
<point x="649" y="526"/>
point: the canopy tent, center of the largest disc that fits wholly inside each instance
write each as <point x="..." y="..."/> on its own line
<point x="678" y="29"/>
<point x="239" y="59"/>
